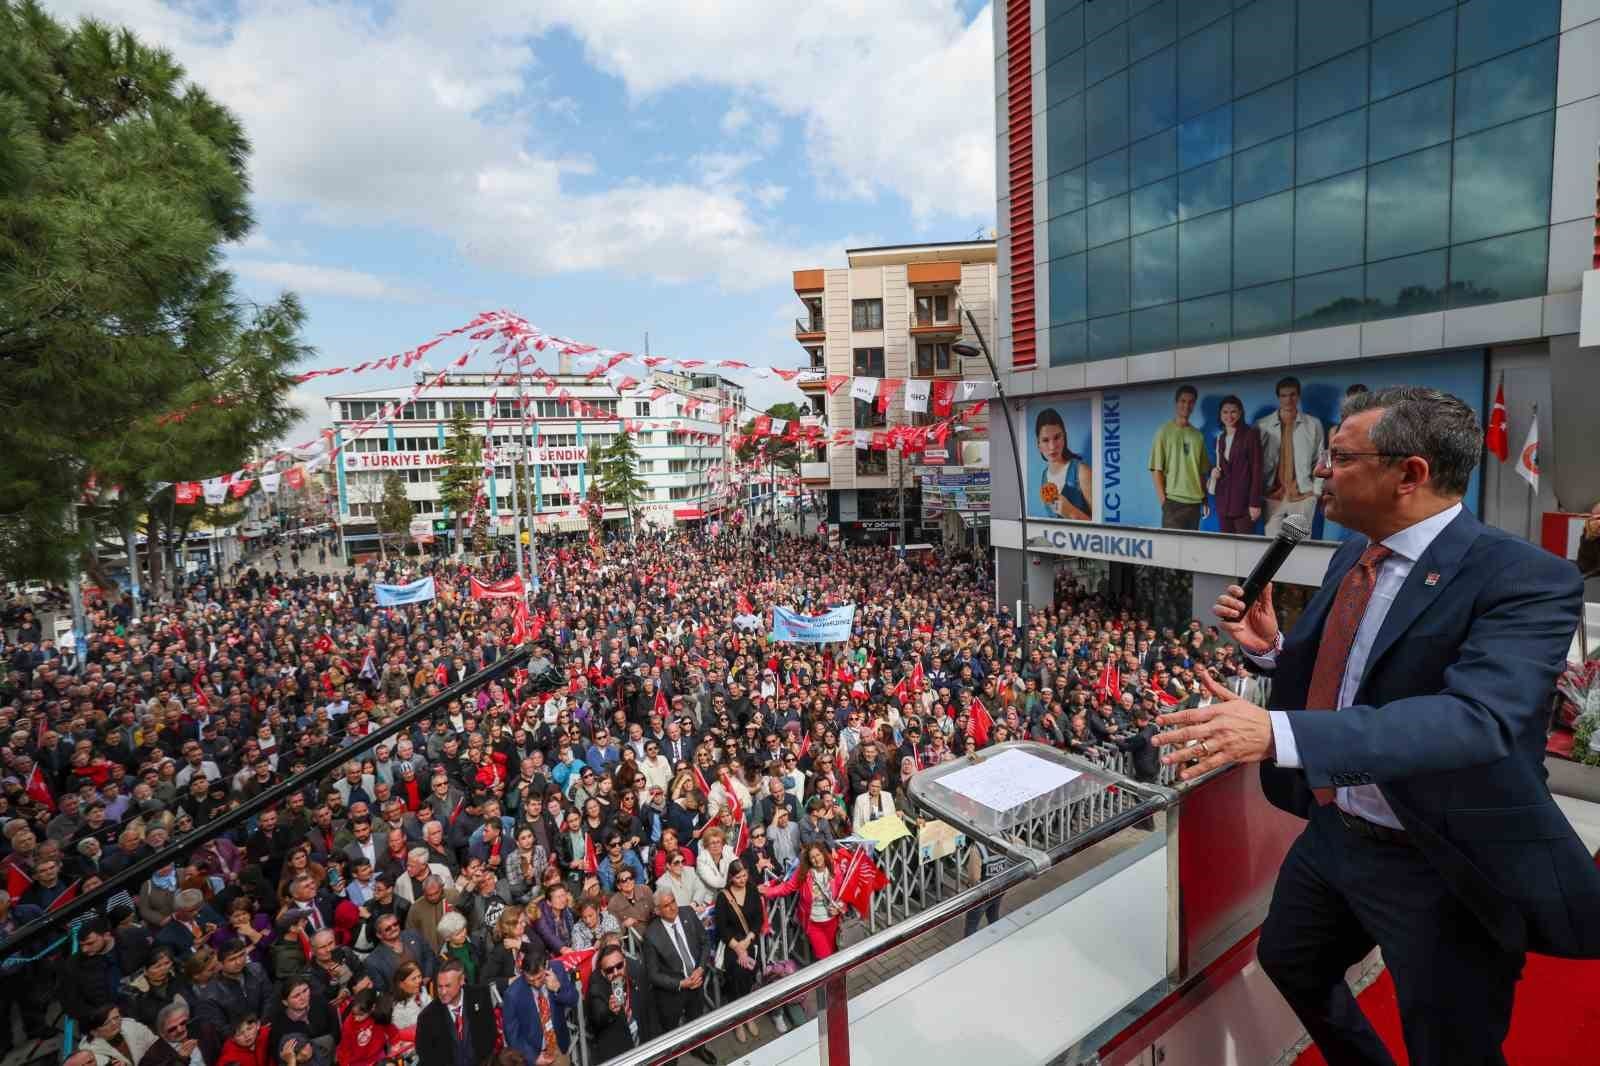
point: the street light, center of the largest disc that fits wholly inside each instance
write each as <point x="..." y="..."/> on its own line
<point x="968" y="351"/>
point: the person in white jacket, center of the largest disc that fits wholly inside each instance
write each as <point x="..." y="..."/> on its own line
<point x="684" y="883"/>
<point x="715" y="858"/>
<point x="114" y="1040"/>
<point x="872" y="804"/>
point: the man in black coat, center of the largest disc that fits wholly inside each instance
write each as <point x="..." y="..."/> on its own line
<point x="458" y="1028"/>
<point x="1146" y="756"/>
<point x="620" y="1006"/>
<point x="675" y="964"/>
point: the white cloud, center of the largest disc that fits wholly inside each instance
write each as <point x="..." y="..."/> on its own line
<point x="736" y="119"/>
<point x="419" y="117"/>
<point x="313" y="280"/>
<point x="771" y="194"/>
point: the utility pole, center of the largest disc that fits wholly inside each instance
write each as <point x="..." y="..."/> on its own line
<point x="900" y="466"/>
<point x="516" y="514"/>
<point x="527" y="480"/>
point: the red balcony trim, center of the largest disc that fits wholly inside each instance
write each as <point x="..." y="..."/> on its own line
<point x="1019" y="106"/>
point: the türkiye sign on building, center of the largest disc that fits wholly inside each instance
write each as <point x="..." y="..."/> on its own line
<point x="402" y="460"/>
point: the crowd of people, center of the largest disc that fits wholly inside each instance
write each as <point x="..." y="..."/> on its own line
<point x="594" y="831"/>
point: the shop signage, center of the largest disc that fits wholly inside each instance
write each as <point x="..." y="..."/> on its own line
<point x="1122" y="547"/>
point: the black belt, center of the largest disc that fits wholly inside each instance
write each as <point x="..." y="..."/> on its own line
<point x="1372" y="830"/>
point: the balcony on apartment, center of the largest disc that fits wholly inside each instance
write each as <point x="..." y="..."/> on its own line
<point x="809" y="329"/>
<point x="935" y="300"/>
<point x="814" y="375"/>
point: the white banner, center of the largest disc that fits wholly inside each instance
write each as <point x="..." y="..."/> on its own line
<point x="864" y="389"/>
<point x="917" y="391"/>
<point x="269" y="482"/>
<point x="216" y="490"/>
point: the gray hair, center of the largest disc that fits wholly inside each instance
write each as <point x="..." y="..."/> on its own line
<point x="432" y="881"/>
<point x="417" y="855"/>
<point x="176" y="1009"/>
<point x="1426" y="423"/>
<point x="451" y="924"/>
<point x="664" y="893"/>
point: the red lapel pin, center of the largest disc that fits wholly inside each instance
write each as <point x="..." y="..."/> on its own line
<point x="1432" y="578"/>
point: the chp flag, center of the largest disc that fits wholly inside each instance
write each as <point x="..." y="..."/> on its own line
<point x="1528" y="458"/>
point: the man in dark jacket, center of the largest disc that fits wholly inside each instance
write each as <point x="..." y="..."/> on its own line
<point x="458" y="1028"/>
<point x="620" y="1006"/>
<point x="1146" y="756"/>
<point x="674" y="962"/>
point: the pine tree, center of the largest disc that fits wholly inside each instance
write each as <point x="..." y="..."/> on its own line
<point x="394" y="514"/>
<point x="620" y="462"/>
<point x="463" y="472"/>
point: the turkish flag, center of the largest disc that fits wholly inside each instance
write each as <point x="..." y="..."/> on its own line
<point x="660" y="706"/>
<point x="17" y="880"/>
<point x="39" y="791"/>
<point x="1495" y="440"/>
<point x="591" y="863"/>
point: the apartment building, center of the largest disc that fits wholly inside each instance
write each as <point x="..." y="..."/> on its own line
<point x="1274" y="203"/>
<point x="681" y="456"/>
<point x="894" y="313"/>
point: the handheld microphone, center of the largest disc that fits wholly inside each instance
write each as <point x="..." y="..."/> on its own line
<point x="1294" y="530"/>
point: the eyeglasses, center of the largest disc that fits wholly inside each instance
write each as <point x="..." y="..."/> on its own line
<point x="1329" y="458"/>
<point x="612" y="971"/>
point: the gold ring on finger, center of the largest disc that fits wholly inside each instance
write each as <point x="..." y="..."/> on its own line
<point x="1204" y="750"/>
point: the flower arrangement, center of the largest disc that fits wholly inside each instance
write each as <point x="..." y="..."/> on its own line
<point x="1579" y="686"/>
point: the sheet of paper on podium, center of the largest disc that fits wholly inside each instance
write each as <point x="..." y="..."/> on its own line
<point x="1008" y="780"/>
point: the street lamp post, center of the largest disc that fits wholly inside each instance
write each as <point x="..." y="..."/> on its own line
<point x="968" y="351"/>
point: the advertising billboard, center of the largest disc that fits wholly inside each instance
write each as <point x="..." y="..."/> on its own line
<point x="1232" y="454"/>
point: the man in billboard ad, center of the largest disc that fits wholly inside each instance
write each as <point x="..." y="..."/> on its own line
<point x="1291" y="441"/>
<point x="1059" y="471"/>
<point x="1178" y="464"/>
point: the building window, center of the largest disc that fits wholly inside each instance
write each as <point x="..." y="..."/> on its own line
<point x="420" y="411"/>
<point x="470" y="408"/>
<point x="641" y="408"/>
<point x="932" y="308"/>
<point x="866" y="314"/>
<point x="867" y="415"/>
<point x="868" y="362"/>
<point x="934" y="359"/>
<point x="870" y="463"/>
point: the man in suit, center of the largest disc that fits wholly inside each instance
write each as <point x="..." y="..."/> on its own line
<point x="620" y="1008"/>
<point x="535" y="1008"/>
<point x="458" y="1028"/>
<point x="1432" y="833"/>
<point x="674" y="962"/>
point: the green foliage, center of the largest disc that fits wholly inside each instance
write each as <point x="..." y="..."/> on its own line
<point x="394" y="514"/>
<point x="619" y="466"/>
<point x="119" y="183"/>
<point x="463" y="453"/>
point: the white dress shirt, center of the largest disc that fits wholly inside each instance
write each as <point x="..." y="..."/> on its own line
<point x="1365" y="801"/>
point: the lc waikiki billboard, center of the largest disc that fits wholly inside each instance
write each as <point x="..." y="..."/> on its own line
<point x="1218" y="452"/>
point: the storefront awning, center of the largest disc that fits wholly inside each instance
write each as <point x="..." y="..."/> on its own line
<point x="688" y="514"/>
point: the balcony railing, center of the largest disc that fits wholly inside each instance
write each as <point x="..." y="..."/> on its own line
<point x="811" y="378"/>
<point x="815" y="471"/>
<point x="928" y="321"/>
<point x="804" y="327"/>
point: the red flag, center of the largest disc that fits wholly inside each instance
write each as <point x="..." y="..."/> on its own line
<point x="917" y="676"/>
<point x="1495" y="439"/>
<point x="39" y="791"/>
<point x="660" y="706"/>
<point x="17" y="881"/>
<point x="241" y="487"/>
<point x="591" y="862"/>
<point x="521" y="630"/>
<point x="66" y="897"/>
<point x="700" y="781"/>
<point x="736" y="813"/>
<point x="902" y="691"/>
<point x="1109" y="685"/>
<point x="861" y="878"/>
<point x="943" y="394"/>
<point x="294" y="477"/>
<point x="979" y="722"/>
<point x="187" y="492"/>
<point x="762" y="426"/>
<point x="200" y="696"/>
<point x="580" y="963"/>
<point x="835" y="381"/>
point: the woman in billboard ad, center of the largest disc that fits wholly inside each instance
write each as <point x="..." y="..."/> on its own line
<point x="1063" y="483"/>
<point x="1235" y="483"/>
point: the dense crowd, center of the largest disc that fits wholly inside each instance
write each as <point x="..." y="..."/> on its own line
<point x="596" y="830"/>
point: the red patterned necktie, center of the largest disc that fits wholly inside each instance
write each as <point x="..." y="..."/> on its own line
<point x="1339" y="634"/>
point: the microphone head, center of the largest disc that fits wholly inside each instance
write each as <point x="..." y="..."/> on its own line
<point x="1295" y="528"/>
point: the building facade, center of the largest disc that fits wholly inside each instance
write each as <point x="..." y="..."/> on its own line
<point x="894" y="313"/>
<point x="682" y="458"/>
<point x="1228" y="194"/>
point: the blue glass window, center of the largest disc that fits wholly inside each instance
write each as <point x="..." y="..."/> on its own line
<point x="1153" y="158"/>
<point x="1154" y="330"/>
<point x="1068" y="344"/>
<point x="1414" y="56"/>
<point x="1063" y="79"/>
<point x="1066" y="234"/>
<point x="1100" y="15"/>
<point x="1263" y="170"/>
<point x="1108" y="337"/>
<point x="1408" y="204"/>
<point x="1410" y="121"/>
<point x="1505" y="268"/>
<point x="1410" y="285"/>
<point x="1327" y="29"/>
<point x="1153" y="29"/>
<point x="1065" y="192"/>
<point x="1108" y="279"/>
<point x="1489" y="27"/>
<point x="1205" y="137"/>
<point x="1333" y="88"/>
<point x="1262" y="311"/>
<point x="1107" y="105"/>
<point x="1205" y="255"/>
<point x="1153" y="89"/>
<point x="1205" y="189"/>
<point x="1068" y="289"/>
<point x="1263" y="240"/>
<point x="1192" y="14"/>
<point x="1333" y="299"/>
<point x="1332" y="147"/>
<point x="1064" y="33"/>
<point x="1108" y="221"/>
<point x="1263" y="45"/>
<point x="1502" y="179"/>
<point x="1155" y="267"/>
<point x="1390" y="15"/>
<point x="1506" y="88"/>
<point x="1204" y="321"/>
<point x="1064" y="130"/>
<point x="1154" y="206"/>
<point x="1107" y="176"/>
<point x="1264" y="115"/>
<point x="1205" y="69"/>
<point x="1329" y="223"/>
<point x="1105" y="55"/>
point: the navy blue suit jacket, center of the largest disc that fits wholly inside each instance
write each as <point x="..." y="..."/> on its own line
<point x="521" y="1014"/>
<point x="1449" y="721"/>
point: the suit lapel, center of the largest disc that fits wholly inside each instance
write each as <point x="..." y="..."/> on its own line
<point x="1441" y="562"/>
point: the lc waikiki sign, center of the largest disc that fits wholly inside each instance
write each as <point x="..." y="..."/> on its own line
<point x="1101" y="545"/>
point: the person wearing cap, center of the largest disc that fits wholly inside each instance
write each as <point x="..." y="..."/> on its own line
<point x="534" y="1009"/>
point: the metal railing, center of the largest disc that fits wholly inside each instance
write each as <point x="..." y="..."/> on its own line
<point x="814" y="325"/>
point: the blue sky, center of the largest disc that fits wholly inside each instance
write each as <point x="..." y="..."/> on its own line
<point x="602" y="167"/>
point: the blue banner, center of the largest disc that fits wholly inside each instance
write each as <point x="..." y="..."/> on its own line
<point x="399" y="595"/>
<point x="827" y="628"/>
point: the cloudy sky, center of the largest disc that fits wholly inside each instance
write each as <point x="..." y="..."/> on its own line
<point x="603" y="167"/>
